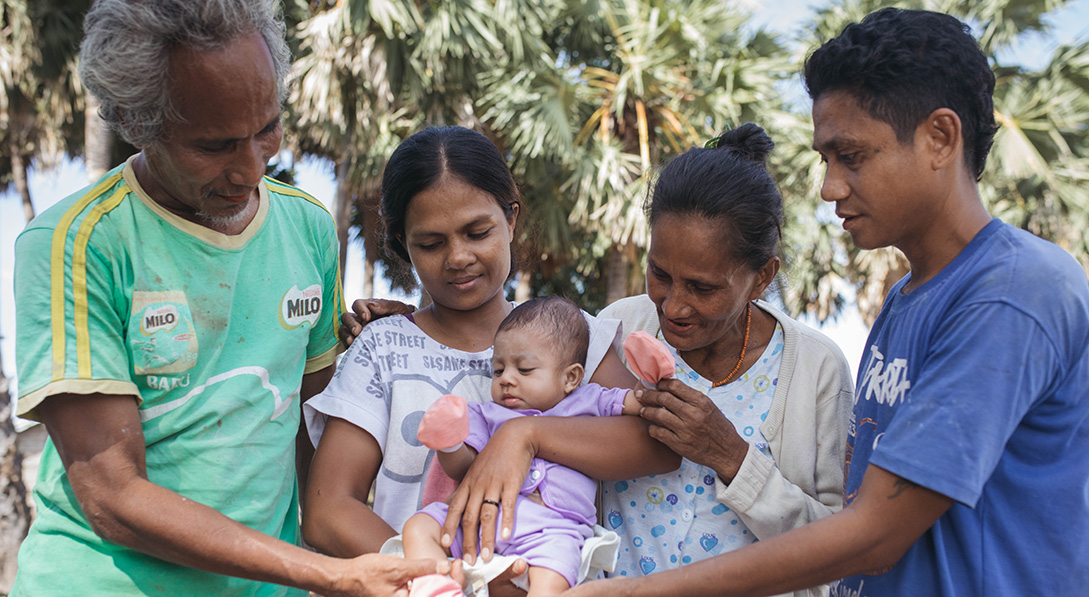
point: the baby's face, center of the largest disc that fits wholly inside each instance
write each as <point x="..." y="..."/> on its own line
<point x="528" y="371"/>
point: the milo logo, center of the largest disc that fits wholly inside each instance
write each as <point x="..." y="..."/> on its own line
<point x="162" y="338"/>
<point x="300" y="306"/>
<point x="156" y="320"/>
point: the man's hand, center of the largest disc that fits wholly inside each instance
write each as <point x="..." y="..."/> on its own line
<point x="101" y="443"/>
<point x="365" y="311"/>
<point x="378" y="575"/>
<point x="613" y="587"/>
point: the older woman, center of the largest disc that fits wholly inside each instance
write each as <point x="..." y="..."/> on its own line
<point x="758" y="406"/>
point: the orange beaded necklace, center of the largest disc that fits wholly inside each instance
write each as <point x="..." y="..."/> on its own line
<point x="744" y="346"/>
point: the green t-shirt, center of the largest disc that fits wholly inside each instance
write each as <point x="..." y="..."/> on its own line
<point x="210" y="333"/>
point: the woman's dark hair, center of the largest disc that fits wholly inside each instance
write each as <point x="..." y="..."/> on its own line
<point x="728" y="183"/>
<point x="901" y="65"/>
<point x="423" y="159"/>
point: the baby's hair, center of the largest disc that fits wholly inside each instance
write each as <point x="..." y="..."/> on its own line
<point x="556" y="318"/>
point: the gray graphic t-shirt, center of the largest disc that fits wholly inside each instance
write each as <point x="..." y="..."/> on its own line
<point x="389" y="377"/>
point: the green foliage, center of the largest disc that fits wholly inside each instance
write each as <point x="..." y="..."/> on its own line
<point x="587" y="98"/>
<point x="40" y="95"/>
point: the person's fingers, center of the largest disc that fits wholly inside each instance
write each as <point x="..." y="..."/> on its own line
<point x="680" y="391"/>
<point x="470" y="526"/>
<point x="510" y="501"/>
<point x="665" y="400"/>
<point x="648" y="397"/>
<point x="455" y="507"/>
<point x="380" y="308"/>
<point x="345" y="330"/>
<point x="665" y="435"/>
<point x="664" y="416"/>
<point x="410" y="569"/>
<point x="489" y="517"/>
<point x="513" y="571"/>
<point x="361" y="310"/>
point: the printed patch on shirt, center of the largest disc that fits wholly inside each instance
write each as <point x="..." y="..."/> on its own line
<point x="300" y="306"/>
<point x="161" y="333"/>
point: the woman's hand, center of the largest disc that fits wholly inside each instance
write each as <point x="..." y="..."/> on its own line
<point x="692" y="426"/>
<point x="366" y="311"/>
<point x="496" y="475"/>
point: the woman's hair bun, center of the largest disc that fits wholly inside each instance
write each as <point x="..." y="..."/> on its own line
<point x="748" y="141"/>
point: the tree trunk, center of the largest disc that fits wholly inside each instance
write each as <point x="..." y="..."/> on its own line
<point x="368" y="275"/>
<point x="369" y="231"/>
<point x="18" y="174"/>
<point x="524" y="290"/>
<point x="616" y="275"/>
<point x="14" y="509"/>
<point x="98" y="141"/>
<point x="343" y="210"/>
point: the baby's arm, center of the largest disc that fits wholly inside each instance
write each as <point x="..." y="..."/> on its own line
<point x="632" y="406"/>
<point x="456" y="463"/>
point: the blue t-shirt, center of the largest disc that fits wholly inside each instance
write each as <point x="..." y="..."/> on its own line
<point x="976" y="385"/>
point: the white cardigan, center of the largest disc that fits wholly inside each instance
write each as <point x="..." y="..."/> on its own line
<point x="806" y="430"/>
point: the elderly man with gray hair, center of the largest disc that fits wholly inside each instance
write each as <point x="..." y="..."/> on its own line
<point x="170" y="320"/>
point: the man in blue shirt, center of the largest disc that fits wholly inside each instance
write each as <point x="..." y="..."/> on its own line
<point x="967" y="467"/>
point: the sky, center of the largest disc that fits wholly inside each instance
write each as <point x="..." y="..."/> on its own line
<point x="316" y="177"/>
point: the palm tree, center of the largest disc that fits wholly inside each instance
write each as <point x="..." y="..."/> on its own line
<point x="623" y="86"/>
<point x="371" y="73"/>
<point x="40" y="95"/>
<point x="340" y="98"/>
<point x="1037" y="173"/>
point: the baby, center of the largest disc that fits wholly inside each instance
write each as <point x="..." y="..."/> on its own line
<point x="537" y="366"/>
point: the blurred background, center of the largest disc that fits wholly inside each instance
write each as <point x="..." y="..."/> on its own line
<point x="586" y="99"/>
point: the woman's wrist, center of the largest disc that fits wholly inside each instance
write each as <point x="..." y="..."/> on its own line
<point x="731" y="458"/>
<point x="523" y="431"/>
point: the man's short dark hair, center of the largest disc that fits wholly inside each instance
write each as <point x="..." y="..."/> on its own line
<point x="555" y="318"/>
<point x="901" y="65"/>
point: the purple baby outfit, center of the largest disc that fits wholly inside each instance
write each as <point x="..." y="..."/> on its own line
<point x="550" y="537"/>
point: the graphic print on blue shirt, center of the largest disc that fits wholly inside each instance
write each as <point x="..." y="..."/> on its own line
<point x="976" y="386"/>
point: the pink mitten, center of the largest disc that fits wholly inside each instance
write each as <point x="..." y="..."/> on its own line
<point x="648" y="358"/>
<point x="445" y="425"/>
<point x="435" y="585"/>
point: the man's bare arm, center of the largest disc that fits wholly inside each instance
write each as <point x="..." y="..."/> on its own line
<point x="870" y="535"/>
<point x="101" y="444"/>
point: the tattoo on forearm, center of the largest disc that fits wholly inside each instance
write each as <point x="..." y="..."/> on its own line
<point x="901" y="485"/>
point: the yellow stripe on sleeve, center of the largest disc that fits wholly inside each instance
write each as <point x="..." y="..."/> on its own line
<point x="284" y="189"/>
<point x="57" y="269"/>
<point x="79" y="279"/>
